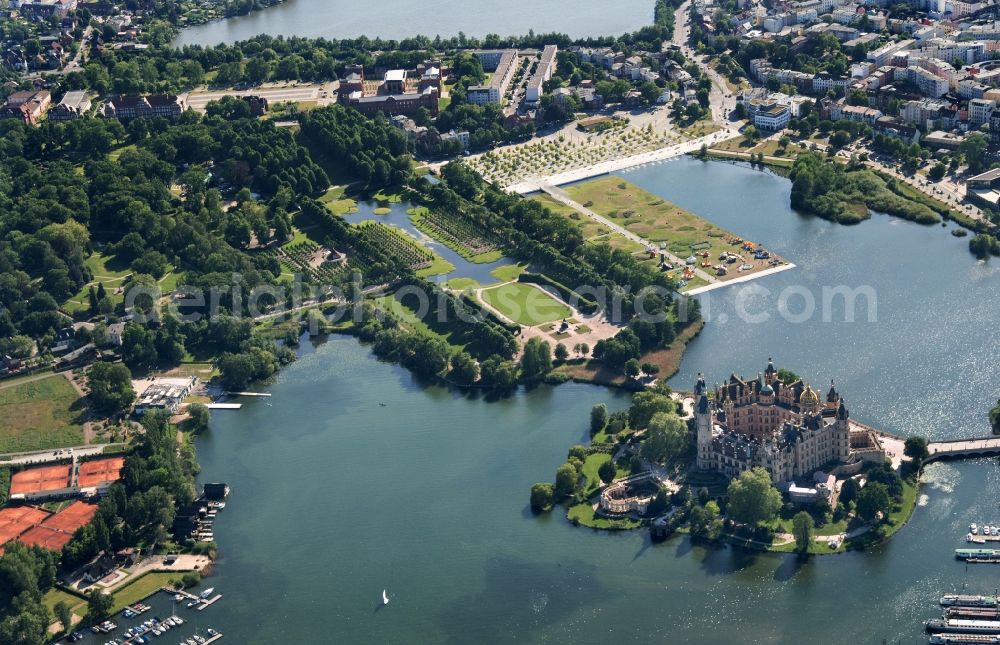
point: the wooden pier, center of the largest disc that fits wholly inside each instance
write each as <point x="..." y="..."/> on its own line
<point x="212" y="639"/>
<point x="179" y="592"/>
<point x="206" y="603"/>
<point x="963" y="448"/>
<point x="248" y="393"/>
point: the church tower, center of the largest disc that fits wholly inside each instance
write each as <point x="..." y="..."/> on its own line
<point x="703" y="416"/>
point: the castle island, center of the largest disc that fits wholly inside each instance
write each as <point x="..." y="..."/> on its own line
<point x="784" y="428"/>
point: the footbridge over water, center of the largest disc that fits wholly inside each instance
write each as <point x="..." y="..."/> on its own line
<point x="960" y="448"/>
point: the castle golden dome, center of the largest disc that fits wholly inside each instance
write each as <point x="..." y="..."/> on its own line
<point x="809" y="395"/>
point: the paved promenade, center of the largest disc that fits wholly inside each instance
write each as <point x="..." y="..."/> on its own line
<point x="534" y="184"/>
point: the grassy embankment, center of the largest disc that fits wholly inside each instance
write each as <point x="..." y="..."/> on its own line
<point x="655" y="219"/>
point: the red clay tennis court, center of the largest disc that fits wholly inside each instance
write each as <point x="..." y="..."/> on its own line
<point x="99" y="471"/>
<point x="46" y="537"/>
<point x="16" y="520"/>
<point x="35" y="480"/>
<point x="71" y="518"/>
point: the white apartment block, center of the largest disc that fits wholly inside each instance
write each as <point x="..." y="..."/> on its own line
<point x="980" y="111"/>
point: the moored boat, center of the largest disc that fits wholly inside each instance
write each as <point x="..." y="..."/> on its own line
<point x="963" y="626"/>
<point x="967" y="600"/>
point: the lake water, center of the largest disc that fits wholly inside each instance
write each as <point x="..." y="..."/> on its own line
<point x="398" y="19"/>
<point x="336" y="497"/>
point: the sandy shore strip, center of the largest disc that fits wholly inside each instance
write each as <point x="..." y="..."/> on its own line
<point x="607" y="167"/>
<point x="742" y="278"/>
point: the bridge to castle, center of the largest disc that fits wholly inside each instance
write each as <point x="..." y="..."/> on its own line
<point x="958" y="448"/>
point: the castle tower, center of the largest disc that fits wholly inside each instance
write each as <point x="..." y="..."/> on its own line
<point x="843" y="432"/>
<point x="832" y="397"/>
<point x="770" y="373"/>
<point x="703" y="418"/>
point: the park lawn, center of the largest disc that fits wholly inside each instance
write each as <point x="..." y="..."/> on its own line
<point x="168" y="282"/>
<point x="391" y="197"/>
<point x="487" y="257"/>
<point x="593" y="232"/>
<point x="117" y="152"/>
<point x="39" y="415"/>
<point x="583" y="514"/>
<point x="652" y="217"/>
<point x="55" y="595"/>
<point x="142" y="588"/>
<point x="439" y="266"/>
<point x="337" y="203"/>
<point x="508" y="272"/>
<point x="739" y="143"/>
<point x="525" y="304"/>
<point x="106" y="269"/>
<point x="590" y="466"/>
<point x="461" y="284"/>
<point x="298" y="237"/>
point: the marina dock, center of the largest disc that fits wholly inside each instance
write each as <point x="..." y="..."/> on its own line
<point x="206" y="603"/>
<point x="223" y="406"/>
<point x="212" y="639"/>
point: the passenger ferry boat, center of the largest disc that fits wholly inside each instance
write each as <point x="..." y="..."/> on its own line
<point x="991" y="627"/>
<point x="978" y="555"/>
<point x="965" y="600"/>
<point x="964" y="639"/>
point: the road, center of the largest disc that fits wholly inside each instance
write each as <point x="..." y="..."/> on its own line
<point x="73" y="65"/>
<point x="46" y="456"/>
<point x="720" y="99"/>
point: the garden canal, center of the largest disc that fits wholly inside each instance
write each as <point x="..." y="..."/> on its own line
<point x="398" y="217"/>
<point x="336" y="497"/>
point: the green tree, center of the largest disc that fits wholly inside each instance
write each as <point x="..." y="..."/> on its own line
<point x="937" y="171"/>
<point x="874" y="499"/>
<point x="752" y="497"/>
<point x="916" y="449"/>
<point x="974" y="148"/>
<point x="607" y="471"/>
<point x="705" y="520"/>
<point x="464" y="368"/>
<point x="542" y="497"/>
<point x="566" y="479"/>
<point x="849" y="491"/>
<point x="536" y="360"/>
<point x="650" y="369"/>
<point x="99" y="605"/>
<point x="561" y="353"/>
<point x="802" y="529"/>
<point x="645" y="404"/>
<point x="666" y="438"/>
<point x="111" y="390"/>
<point x="198" y="416"/>
<point x="598" y="418"/>
<point x="64" y="615"/>
<point x="632" y="368"/>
